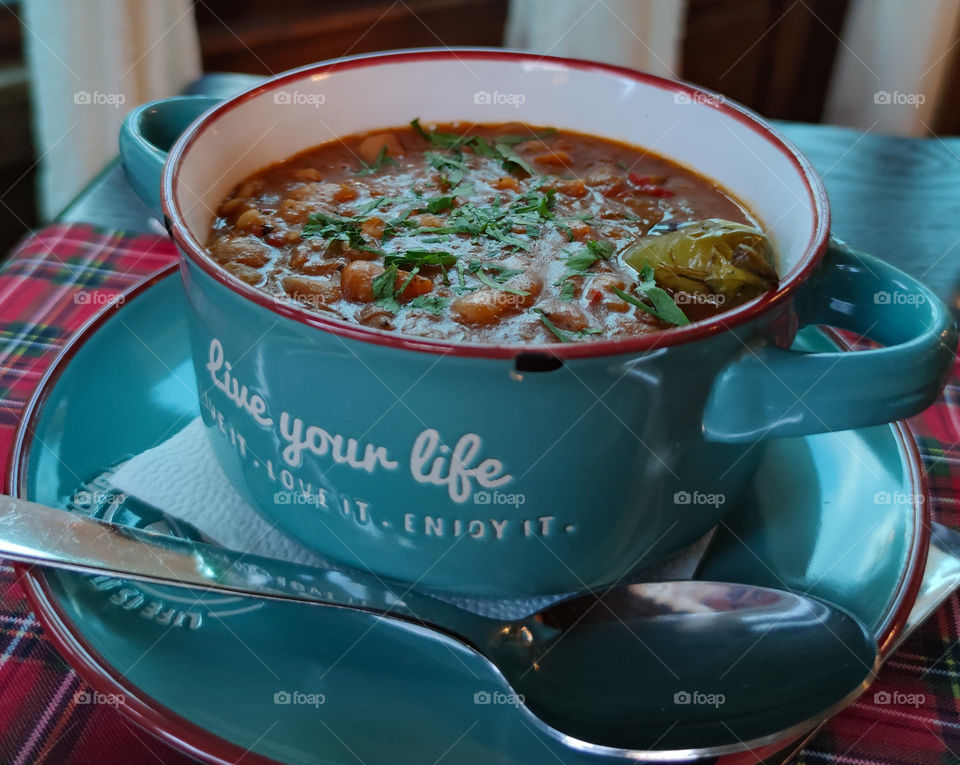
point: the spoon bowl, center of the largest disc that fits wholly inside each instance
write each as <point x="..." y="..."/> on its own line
<point x="685" y="664"/>
<point x="677" y="669"/>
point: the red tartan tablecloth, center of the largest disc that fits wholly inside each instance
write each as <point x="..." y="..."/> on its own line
<point x="40" y="719"/>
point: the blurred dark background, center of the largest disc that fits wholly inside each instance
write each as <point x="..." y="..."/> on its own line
<point x="772" y="55"/>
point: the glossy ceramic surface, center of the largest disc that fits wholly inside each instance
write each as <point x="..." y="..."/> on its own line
<point x="423" y="460"/>
<point x="576" y="663"/>
<point x="841" y="515"/>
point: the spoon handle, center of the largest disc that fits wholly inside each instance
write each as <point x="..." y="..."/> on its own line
<point x="32" y="533"/>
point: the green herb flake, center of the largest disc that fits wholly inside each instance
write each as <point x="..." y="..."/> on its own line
<point x="580" y="262"/>
<point x="568" y="291"/>
<point x="419" y="258"/>
<point x="439" y="204"/>
<point x="337" y="229"/>
<point x="512" y="161"/>
<point x="437" y="138"/>
<point x="382" y="160"/>
<point x="484" y="148"/>
<point x="558" y="333"/>
<point x="603" y="250"/>
<point x="406" y="282"/>
<point x="435" y="304"/>
<point x="384" y="289"/>
<point x="494" y="275"/>
<point x="661" y="304"/>
<point x="369" y="207"/>
<point x="451" y="167"/>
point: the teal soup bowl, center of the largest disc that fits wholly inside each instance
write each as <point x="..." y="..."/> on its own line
<point x="508" y="470"/>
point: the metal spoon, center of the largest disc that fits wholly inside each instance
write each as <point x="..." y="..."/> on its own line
<point x="683" y="665"/>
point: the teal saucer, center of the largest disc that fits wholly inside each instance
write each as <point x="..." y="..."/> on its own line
<point x="843" y="516"/>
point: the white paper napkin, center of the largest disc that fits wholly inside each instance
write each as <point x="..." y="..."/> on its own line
<point x="182" y="478"/>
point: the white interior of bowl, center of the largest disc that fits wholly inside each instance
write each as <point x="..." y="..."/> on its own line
<point x="291" y="115"/>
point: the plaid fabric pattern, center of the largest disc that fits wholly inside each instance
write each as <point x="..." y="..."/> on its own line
<point x="61" y="276"/>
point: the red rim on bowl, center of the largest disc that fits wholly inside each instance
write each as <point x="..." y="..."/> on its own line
<point x="195" y="251"/>
<point x="193" y="739"/>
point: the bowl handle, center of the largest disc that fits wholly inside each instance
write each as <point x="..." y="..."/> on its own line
<point x="146" y="136"/>
<point x="771" y="392"/>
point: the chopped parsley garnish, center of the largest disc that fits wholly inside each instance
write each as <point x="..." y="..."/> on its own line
<point x="419" y="258"/>
<point x="564" y="336"/>
<point x="387" y="294"/>
<point x="438" y="138"/>
<point x="602" y="250"/>
<point x="461" y="286"/>
<point x="435" y="304"/>
<point x="385" y="291"/>
<point x="373" y="204"/>
<point x="501" y="149"/>
<point x="450" y="166"/>
<point x="540" y="205"/>
<point x="406" y="282"/>
<point x="336" y="229"/>
<point x="560" y="335"/>
<point x="381" y="161"/>
<point x="510" y="160"/>
<point x="495" y="276"/>
<point x="568" y="291"/>
<point x="580" y="262"/>
<point x="496" y="221"/>
<point x="438" y="204"/>
<point x="661" y="304"/>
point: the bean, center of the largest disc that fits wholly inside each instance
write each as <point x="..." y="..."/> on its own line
<point x="233" y="205"/>
<point x="278" y="237"/>
<point x="250" y="187"/>
<point x="603" y="174"/>
<point x="419" y="285"/>
<point x="247" y="250"/>
<point x="572" y="188"/>
<point x="356" y="282"/>
<point x="581" y="230"/>
<point x="568" y="316"/>
<point x="506" y="182"/>
<point x="600" y="293"/>
<point x="427" y="220"/>
<point x="305" y="260"/>
<point x="487" y="305"/>
<point x="375" y="316"/>
<point x="647" y="210"/>
<point x="251" y="221"/>
<point x="346" y="193"/>
<point x="373" y="227"/>
<point x="308" y="174"/>
<point x="321" y="193"/>
<point x="554" y="158"/>
<point x="244" y="273"/>
<point x="370" y="147"/>
<point x="531" y="283"/>
<point x="294" y="212"/>
<point x="311" y="292"/>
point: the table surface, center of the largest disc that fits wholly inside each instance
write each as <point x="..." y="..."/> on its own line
<point x="896" y="198"/>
